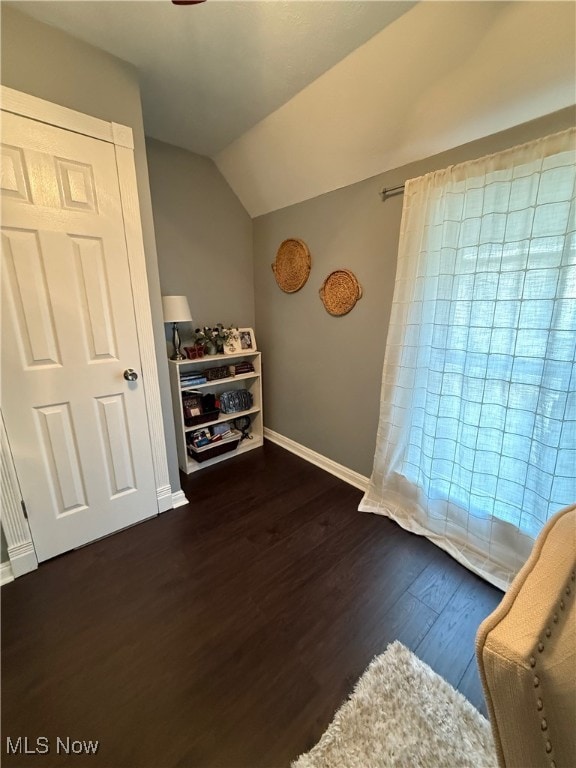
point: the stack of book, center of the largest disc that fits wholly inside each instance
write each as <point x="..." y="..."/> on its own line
<point x="192" y="379"/>
<point x="243" y="367"/>
<point x="203" y="438"/>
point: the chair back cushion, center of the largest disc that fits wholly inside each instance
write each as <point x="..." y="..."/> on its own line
<point x="526" y="652"/>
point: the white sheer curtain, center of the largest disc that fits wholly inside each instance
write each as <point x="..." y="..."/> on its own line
<point x="476" y="444"/>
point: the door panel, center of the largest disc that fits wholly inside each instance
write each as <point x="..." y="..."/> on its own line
<point x="77" y="428"/>
<point x="116" y="443"/>
<point x="99" y="336"/>
<point x="14" y="178"/>
<point x="61" y="459"/>
<point x="34" y="329"/>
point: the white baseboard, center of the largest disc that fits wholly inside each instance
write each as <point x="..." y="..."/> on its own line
<point x="179" y="499"/>
<point x="348" y="475"/>
<point x="22" y="558"/>
<point x="6" y="574"/>
<point x="164" y="496"/>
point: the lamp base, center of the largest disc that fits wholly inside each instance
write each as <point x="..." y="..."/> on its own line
<point x="176" y="342"/>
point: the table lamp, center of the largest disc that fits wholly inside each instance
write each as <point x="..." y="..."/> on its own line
<point x="176" y="310"/>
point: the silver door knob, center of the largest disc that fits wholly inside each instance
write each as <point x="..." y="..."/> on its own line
<point x="130" y="374"/>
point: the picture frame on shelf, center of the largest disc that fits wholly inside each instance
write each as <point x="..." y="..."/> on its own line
<point x="247" y="340"/>
<point x="232" y="345"/>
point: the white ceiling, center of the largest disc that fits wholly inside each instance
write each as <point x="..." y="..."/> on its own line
<point x="208" y="73"/>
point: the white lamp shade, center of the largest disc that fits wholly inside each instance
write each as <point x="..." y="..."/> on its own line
<point x="176" y="309"/>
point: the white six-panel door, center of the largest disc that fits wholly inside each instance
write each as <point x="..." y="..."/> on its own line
<point x="77" y="428"/>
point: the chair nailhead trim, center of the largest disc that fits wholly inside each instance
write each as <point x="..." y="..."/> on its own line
<point x="540" y="646"/>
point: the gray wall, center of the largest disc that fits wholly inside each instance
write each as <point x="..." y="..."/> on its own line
<point x="322" y="374"/>
<point x="203" y="237"/>
<point x="3" y="548"/>
<point x="45" y="62"/>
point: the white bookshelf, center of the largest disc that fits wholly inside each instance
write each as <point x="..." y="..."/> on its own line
<point x="249" y="381"/>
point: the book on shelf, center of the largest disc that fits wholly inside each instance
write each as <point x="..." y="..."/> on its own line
<point x="201" y="438"/>
<point x="192" y="381"/>
<point x="243" y="367"/>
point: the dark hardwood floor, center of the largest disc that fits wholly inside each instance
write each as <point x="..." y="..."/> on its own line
<point x="227" y="632"/>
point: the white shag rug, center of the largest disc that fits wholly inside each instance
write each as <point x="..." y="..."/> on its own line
<point x="403" y="715"/>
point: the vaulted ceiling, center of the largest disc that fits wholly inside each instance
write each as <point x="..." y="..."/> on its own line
<point x="296" y="98"/>
<point x="210" y="72"/>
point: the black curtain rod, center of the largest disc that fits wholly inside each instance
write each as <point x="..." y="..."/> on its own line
<point x="388" y="191"/>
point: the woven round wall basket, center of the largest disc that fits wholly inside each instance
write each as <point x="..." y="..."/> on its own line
<point x="292" y="265"/>
<point x="340" y="292"/>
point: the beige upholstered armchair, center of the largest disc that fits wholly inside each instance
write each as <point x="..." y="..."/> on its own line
<point x="526" y="651"/>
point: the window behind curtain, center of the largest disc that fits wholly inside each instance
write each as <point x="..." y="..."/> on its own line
<point x="478" y="413"/>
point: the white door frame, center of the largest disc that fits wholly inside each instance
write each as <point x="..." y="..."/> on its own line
<point x="14" y="524"/>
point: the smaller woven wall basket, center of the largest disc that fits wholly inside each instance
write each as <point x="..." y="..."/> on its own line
<point x="340" y="292"/>
<point x="292" y="265"/>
